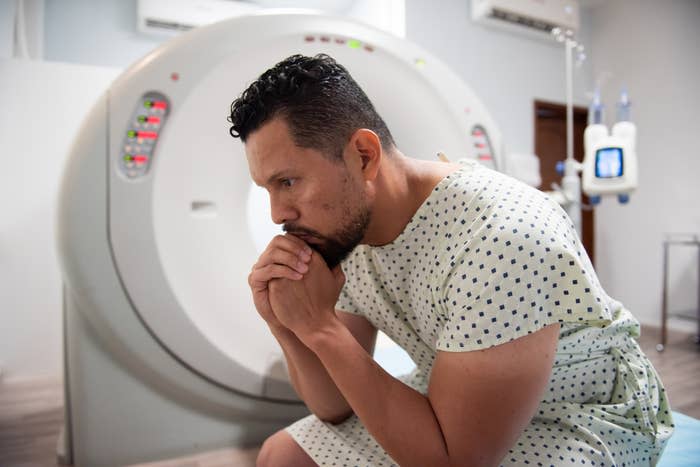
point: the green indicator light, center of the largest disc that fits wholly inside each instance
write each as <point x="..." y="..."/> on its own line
<point x="148" y="104"/>
<point x="354" y="44"/>
<point x="420" y="62"/>
<point x="127" y="157"/>
<point x="131" y="134"/>
<point x="142" y="118"/>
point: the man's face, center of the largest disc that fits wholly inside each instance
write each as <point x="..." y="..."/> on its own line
<point x="313" y="197"/>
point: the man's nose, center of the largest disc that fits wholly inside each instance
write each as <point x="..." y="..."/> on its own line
<point x="281" y="211"/>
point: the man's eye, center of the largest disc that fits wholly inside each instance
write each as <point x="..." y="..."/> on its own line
<point x="287" y="182"/>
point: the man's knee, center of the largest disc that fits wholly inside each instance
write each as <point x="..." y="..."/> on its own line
<point x="280" y="450"/>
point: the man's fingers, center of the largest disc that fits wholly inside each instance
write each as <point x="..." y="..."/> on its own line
<point x="289" y="243"/>
<point x="287" y="250"/>
<point x="261" y="276"/>
<point x="283" y="257"/>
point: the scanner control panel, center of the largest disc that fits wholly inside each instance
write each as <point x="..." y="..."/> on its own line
<point x="142" y="133"/>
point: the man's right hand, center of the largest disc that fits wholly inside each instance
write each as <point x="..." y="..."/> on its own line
<point x="286" y="256"/>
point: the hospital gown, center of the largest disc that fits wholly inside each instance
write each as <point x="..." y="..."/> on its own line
<point x="483" y="261"/>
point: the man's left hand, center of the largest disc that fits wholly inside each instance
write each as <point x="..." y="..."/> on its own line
<point x="307" y="306"/>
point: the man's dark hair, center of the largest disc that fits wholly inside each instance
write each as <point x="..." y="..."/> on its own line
<point x="319" y="100"/>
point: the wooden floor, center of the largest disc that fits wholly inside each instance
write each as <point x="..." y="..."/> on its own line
<point x="679" y="367"/>
<point x="31" y="415"/>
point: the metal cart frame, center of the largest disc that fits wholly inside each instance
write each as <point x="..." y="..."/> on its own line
<point x="684" y="240"/>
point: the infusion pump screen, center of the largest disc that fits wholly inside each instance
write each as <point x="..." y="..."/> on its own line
<point x="608" y="162"/>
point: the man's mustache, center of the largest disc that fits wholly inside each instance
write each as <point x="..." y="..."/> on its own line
<point x="298" y="230"/>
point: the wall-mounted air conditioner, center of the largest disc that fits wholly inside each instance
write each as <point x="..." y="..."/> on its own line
<point x="534" y="17"/>
<point x="170" y="17"/>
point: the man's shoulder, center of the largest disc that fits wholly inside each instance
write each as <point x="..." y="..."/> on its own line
<point x="485" y="196"/>
<point x="357" y="260"/>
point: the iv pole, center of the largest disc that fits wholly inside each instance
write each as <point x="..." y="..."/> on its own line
<point x="569" y="194"/>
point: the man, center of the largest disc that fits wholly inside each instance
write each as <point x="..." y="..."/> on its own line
<point x="521" y="356"/>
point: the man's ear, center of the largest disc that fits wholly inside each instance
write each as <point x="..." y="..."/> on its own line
<point x="365" y="150"/>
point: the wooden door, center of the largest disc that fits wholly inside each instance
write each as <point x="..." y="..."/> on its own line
<point x="550" y="147"/>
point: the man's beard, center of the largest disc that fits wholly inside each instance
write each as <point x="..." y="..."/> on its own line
<point x="340" y="244"/>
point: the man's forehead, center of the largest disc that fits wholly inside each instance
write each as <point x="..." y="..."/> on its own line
<point x="263" y="169"/>
<point x="268" y="151"/>
<point x="272" y="154"/>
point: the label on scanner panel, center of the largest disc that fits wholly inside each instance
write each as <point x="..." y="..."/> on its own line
<point x="142" y="133"/>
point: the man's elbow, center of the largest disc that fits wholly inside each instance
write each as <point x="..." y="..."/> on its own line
<point x="334" y="418"/>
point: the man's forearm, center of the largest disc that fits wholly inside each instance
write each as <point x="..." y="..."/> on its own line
<point x="400" y="419"/>
<point x="310" y="378"/>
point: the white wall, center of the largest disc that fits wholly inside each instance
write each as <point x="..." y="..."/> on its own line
<point x="43" y="105"/>
<point x="508" y="71"/>
<point x="7" y="23"/>
<point x="95" y="32"/>
<point x="651" y="46"/>
<point x="27" y="16"/>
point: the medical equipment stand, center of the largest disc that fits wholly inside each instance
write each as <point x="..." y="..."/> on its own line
<point x="569" y="194"/>
<point x="684" y="240"/>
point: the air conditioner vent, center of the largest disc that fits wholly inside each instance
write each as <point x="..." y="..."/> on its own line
<point x="522" y="20"/>
<point x="172" y="17"/>
<point x="169" y="25"/>
<point x="536" y="18"/>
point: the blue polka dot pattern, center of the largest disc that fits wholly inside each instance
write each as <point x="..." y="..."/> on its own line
<point x="486" y="260"/>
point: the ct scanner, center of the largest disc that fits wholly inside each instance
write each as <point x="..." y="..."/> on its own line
<point x="159" y="225"/>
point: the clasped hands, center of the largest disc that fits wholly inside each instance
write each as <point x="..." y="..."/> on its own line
<point x="294" y="289"/>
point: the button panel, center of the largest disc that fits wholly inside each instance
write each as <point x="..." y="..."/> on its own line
<point x="142" y="133"/>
